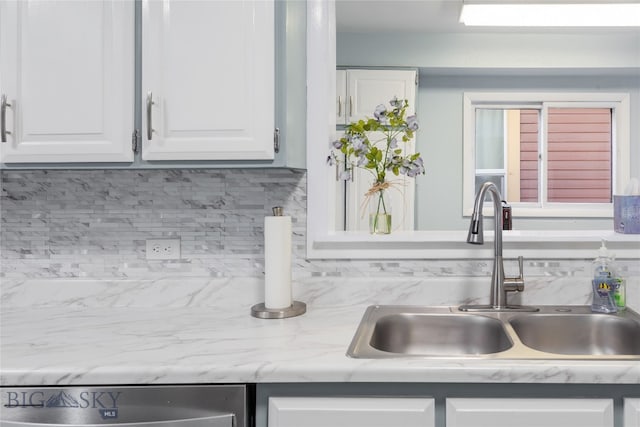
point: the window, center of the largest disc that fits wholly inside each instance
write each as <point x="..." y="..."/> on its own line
<point x="550" y="154"/>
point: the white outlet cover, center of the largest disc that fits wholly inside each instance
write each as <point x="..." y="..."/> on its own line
<point x="163" y="249"/>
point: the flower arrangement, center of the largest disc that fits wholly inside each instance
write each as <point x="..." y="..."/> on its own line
<point x="372" y="145"/>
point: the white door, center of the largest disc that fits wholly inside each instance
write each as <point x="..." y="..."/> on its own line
<point x="67" y="72"/>
<point x="369" y="88"/>
<point x="631" y="412"/>
<point x="208" y="79"/>
<point x="351" y="412"/>
<point x="495" y="412"/>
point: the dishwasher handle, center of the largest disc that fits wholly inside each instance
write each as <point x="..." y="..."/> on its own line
<point x="221" y="420"/>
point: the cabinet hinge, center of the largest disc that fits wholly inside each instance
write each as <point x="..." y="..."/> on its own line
<point x="135" y="138"/>
<point x="276" y="140"/>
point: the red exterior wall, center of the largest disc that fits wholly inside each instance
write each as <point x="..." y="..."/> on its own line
<point x="579" y="155"/>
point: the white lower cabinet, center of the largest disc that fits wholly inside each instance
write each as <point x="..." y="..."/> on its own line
<point x="529" y="412"/>
<point x="631" y="412"/>
<point x="351" y="412"/>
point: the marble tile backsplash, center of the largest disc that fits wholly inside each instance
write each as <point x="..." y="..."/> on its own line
<point x="94" y="224"/>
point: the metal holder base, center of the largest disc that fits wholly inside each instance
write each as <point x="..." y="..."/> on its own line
<point x="262" y="312"/>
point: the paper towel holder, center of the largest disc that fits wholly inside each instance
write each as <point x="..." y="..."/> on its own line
<point x="262" y="312"/>
<point x="295" y="309"/>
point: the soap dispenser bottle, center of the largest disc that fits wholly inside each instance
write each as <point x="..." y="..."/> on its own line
<point x="604" y="282"/>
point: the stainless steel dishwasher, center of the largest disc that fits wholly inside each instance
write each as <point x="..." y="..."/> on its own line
<point x="144" y="406"/>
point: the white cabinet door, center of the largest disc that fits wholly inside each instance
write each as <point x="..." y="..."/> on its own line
<point x="351" y="412"/>
<point x="208" y="79"/>
<point x="471" y="412"/>
<point x="67" y="71"/>
<point x="631" y="412"/>
<point x="366" y="89"/>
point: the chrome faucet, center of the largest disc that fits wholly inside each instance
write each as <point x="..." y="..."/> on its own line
<point x="500" y="284"/>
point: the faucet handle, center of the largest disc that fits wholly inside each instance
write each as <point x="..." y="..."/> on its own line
<point x="521" y="268"/>
<point x="516" y="284"/>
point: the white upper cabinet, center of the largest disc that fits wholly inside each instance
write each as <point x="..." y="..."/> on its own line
<point x="67" y="75"/>
<point x="360" y="91"/>
<point x="207" y="80"/>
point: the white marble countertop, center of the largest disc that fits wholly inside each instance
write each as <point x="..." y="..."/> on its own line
<point x="195" y="331"/>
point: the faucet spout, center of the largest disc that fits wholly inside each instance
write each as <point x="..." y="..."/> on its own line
<point x="499" y="284"/>
<point x="498" y="296"/>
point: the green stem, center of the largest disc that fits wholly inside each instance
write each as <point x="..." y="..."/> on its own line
<point x="380" y="215"/>
<point x="389" y="137"/>
<point x="381" y="202"/>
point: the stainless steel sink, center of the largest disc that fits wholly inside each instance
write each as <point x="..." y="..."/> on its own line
<point x="588" y="334"/>
<point x="554" y="332"/>
<point x="438" y="334"/>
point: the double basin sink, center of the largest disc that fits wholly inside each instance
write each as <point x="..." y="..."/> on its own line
<point x="553" y="332"/>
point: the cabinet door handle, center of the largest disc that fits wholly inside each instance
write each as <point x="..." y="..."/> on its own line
<point x="3" y="118"/>
<point x="350" y="106"/>
<point x="149" y="116"/>
<point x="339" y="106"/>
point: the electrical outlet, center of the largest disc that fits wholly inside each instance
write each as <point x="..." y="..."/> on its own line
<point x="163" y="248"/>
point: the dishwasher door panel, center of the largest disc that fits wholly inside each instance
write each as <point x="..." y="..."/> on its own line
<point x="215" y="421"/>
<point x="151" y="406"/>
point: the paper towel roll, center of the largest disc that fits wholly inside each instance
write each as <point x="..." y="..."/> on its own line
<point x="277" y="262"/>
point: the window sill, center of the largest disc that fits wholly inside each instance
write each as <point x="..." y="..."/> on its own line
<point x="539" y="244"/>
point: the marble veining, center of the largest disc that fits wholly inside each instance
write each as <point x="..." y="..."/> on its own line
<point x="198" y="330"/>
<point x="149" y="346"/>
<point x="241" y="292"/>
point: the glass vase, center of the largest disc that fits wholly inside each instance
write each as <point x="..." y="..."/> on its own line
<point x="380" y="213"/>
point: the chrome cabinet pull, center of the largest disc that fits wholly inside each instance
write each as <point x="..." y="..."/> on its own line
<point x="3" y="118"/>
<point x="339" y="106"/>
<point x="149" y="116"/>
<point x="350" y="106"/>
<point x="276" y="140"/>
